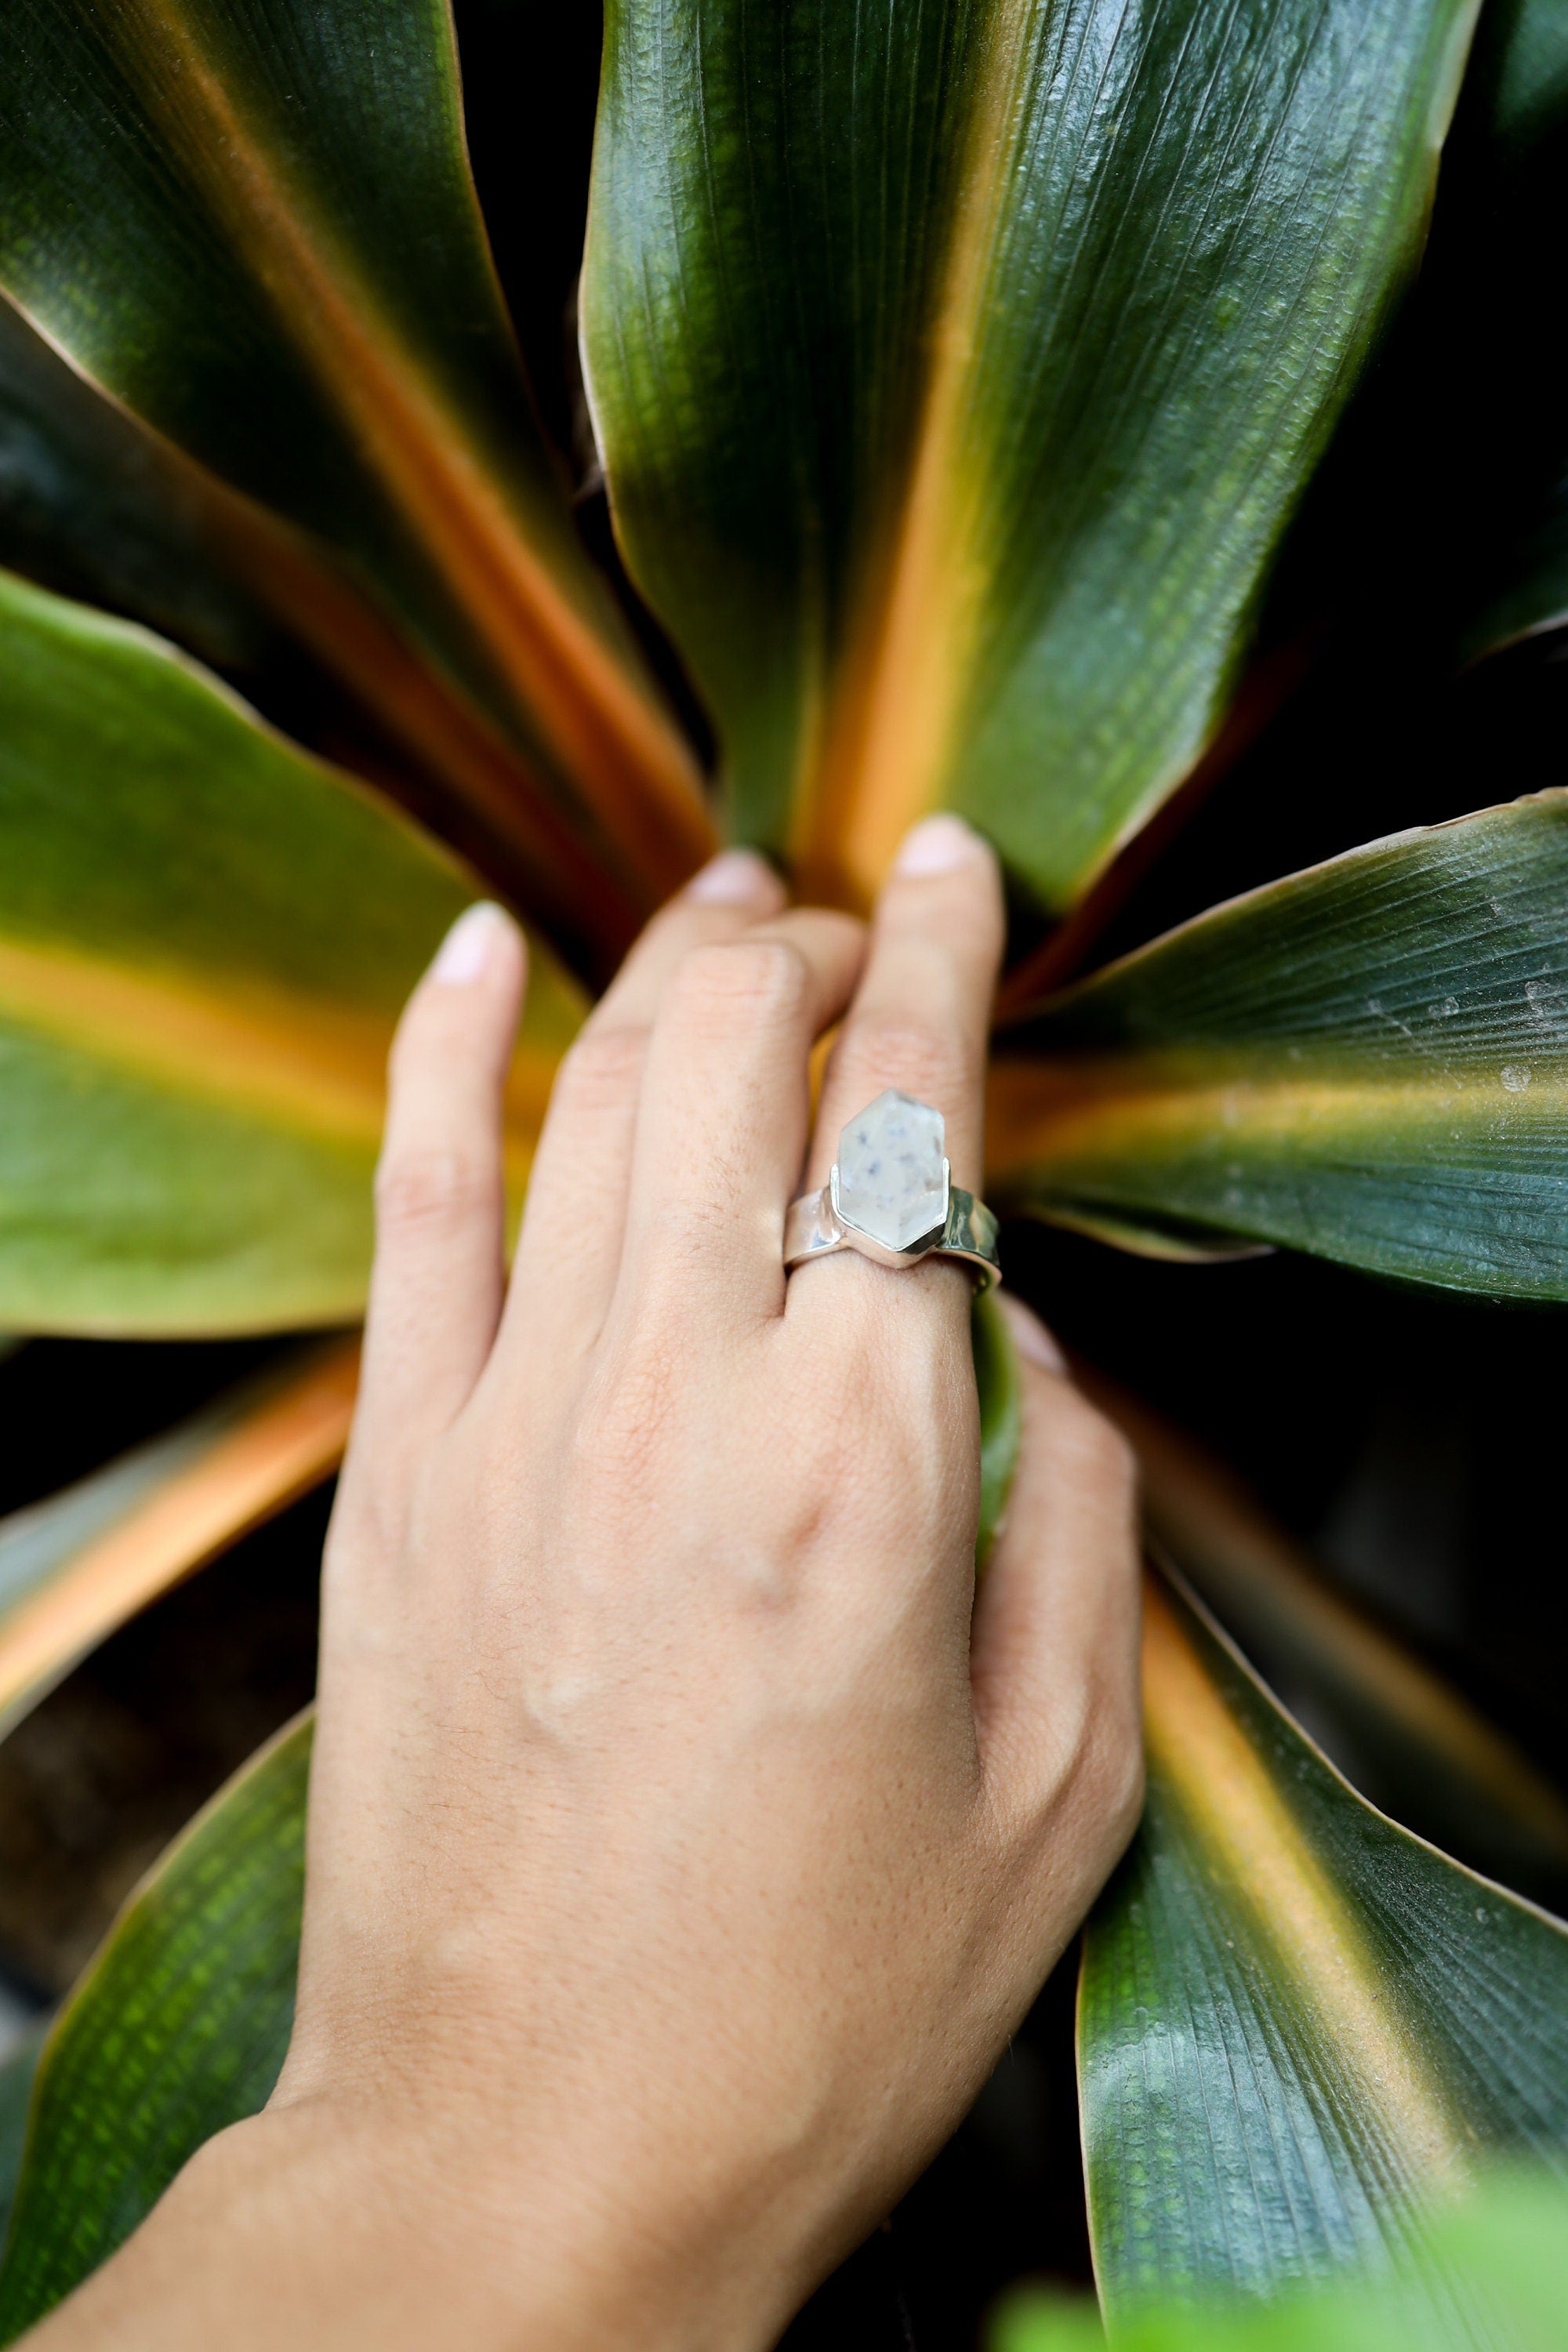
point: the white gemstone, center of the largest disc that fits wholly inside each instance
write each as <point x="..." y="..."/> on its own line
<point x="890" y="1182"/>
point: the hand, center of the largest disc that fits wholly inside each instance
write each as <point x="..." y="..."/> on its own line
<point x="685" y="1840"/>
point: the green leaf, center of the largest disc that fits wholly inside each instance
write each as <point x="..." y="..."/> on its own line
<point x="956" y="370"/>
<point x="1368" y="1060"/>
<point x="94" y="508"/>
<point x="94" y="505"/>
<point x="1398" y="1731"/>
<point x="1042" y="2319"/>
<point x="177" y="2029"/>
<point x="74" y="1567"/>
<point x="1506" y="2245"/>
<point x="1300" y="2030"/>
<point x="204" y="940"/>
<point x="16" y="2071"/>
<point x="996" y="1374"/>
<point x="256" y="229"/>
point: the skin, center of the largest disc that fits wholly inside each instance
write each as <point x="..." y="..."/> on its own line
<point x="686" y="1837"/>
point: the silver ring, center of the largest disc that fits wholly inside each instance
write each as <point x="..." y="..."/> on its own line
<point x="891" y="1195"/>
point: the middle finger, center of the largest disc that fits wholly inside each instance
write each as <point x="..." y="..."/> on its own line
<point x="570" y="1245"/>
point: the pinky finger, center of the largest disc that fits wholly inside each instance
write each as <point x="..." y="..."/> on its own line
<point x="435" y="1286"/>
<point x="1054" y="1656"/>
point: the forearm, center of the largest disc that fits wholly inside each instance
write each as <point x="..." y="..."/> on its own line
<point x="291" y="2230"/>
<point x="279" y="2232"/>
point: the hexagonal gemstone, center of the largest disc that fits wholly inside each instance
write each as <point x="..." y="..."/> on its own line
<point x="890" y="1180"/>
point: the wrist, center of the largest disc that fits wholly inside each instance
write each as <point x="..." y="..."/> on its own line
<point x="332" y="2229"/>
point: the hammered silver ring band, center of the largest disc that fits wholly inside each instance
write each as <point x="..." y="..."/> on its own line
<point x="890" y="1196"/>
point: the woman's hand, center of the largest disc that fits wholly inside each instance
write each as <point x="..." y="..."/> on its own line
<point x="685" y="1840"/>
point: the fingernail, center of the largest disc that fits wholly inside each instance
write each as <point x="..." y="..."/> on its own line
<point x="465" y="952"/>
<point x="939" y="845"/>
<point x="736" y="878"/>
<point x="1030" y="1337"/>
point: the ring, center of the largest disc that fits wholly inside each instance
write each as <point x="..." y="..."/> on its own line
<point x="891" y="1195"/>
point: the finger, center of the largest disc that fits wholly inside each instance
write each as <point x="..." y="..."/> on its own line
<point x="918" y="1023"/>
<point x="436" y="1284"/>
<point x="922" y="1014"/>
<point x="723" y="1121"/>
<point x="733" y="891"/>
<point x="569" y="1249"/>
<point x="1054" y="1647"/>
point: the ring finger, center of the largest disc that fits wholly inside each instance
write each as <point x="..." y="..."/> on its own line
<point x="919" y="1022"/>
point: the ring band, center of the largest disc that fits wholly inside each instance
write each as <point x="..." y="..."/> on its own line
<point x="890" y="1197"/>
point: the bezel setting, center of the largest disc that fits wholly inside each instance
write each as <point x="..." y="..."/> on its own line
<point x="818" y="1223"/>
<point x="867" y="1243"/>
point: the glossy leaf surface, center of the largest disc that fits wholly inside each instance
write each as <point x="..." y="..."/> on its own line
<point x="1368" y="1060"/>
<point x="1508" y="2246"/>
<point x="178" y="2027"/>
<point x="73" y="1567"/>
<point x="204" y="940"/>
<point x="256" y="229"/>
<point x="1299" y="2028"/>
<point x="94" y="505"/>
<point x="956" y="367"/>
<point x="94" y="508"/>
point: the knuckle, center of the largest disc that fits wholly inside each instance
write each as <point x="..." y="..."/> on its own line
<point x="433" y="1187"/>
<point x="718" y="985"/>
<point x="904" y="1050"/>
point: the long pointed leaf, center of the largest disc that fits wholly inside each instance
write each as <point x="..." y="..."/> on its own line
<point x="94" y="505"/>
<point x="258" y="230"/>
<point x="1368" y="1060"/>
<point x="1301" y="2029"/>
<point x="73" y="1567"/>
<point x="204" y="940"/>
<point x="178" y="2027"/>
<point x="93" y="508"/>
<point x="956" y="370"/>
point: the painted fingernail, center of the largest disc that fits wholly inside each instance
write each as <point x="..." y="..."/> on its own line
<point x="466" y="950"/>
<point x="1030" y="1337"/>
<point x="939" y="845"/>
<point x="736" y="878"/>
